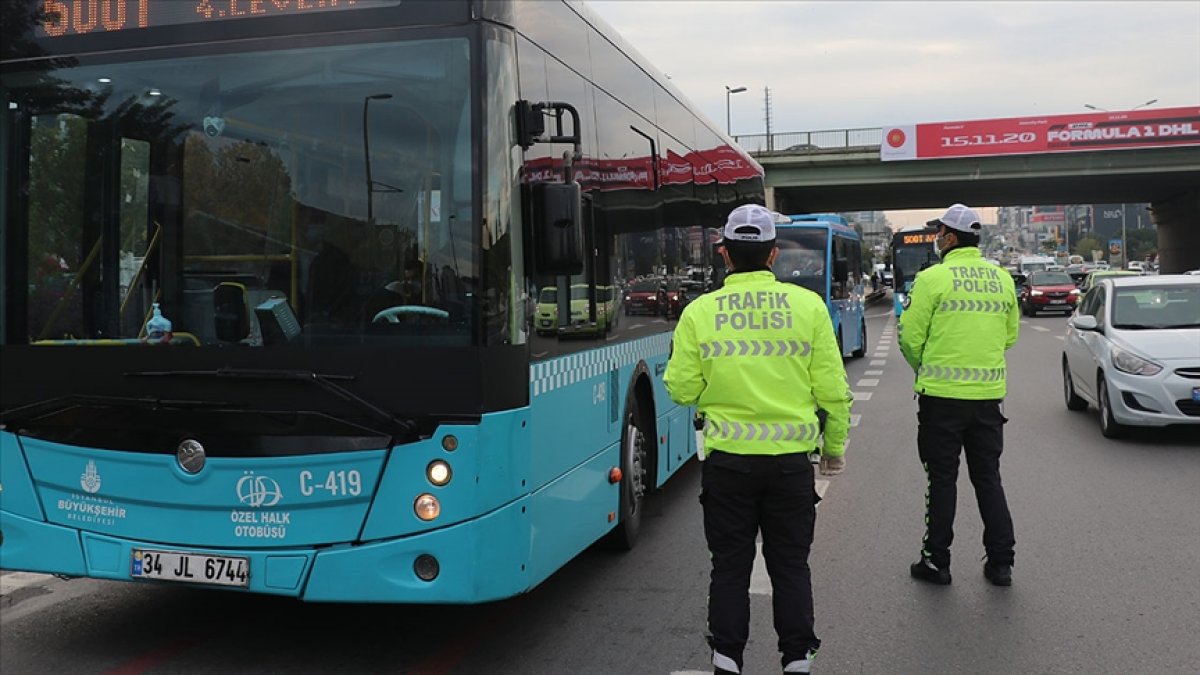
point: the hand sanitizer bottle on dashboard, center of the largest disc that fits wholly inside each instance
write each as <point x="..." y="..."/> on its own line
<point x="158" y="328"/>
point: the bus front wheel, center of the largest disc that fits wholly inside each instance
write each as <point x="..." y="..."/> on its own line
<point x="635" y="473"/>
<point x="862" y="341"/>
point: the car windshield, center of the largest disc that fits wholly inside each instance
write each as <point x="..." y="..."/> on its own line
<point x="1051" y="279"/>
<point x="645" y="287"/>
<point x="1157" y="307"/>
<point x="549" y="296"/>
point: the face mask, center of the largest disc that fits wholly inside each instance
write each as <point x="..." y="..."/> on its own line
<point x="938" y="247"/>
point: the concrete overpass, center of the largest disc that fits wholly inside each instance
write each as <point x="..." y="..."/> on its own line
<point x="841" y="171"/>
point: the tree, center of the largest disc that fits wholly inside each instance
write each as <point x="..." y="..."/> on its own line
<point x="1142" y="243"/>
<point x="1085" y="246"/>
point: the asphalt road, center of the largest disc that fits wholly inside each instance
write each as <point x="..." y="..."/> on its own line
<point x="1105" y="581"/>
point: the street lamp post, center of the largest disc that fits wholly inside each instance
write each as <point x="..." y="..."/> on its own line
<point x="367" y="153"/>
<point x="1089" y="106"/>
<point x="728" y="93"/>
<point x="1124" y="243"/>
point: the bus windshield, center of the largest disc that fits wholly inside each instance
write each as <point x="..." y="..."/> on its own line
<point x="912" y="251"/>
<point x="326" y="189"/>
<point x="801" y="259"/>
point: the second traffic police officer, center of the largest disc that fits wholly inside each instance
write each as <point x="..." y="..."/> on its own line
<point x="961" y="319"/>
<point x="759" y="357"/>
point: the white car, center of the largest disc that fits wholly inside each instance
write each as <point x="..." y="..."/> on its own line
<point x="1132" y="349"/>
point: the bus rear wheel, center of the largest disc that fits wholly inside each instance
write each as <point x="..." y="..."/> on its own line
<point x="635" y="472"/>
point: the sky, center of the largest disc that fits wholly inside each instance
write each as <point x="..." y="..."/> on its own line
<point x="846" y="65"/>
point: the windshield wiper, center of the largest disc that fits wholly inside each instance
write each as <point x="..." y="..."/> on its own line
<point x="400" y="427"/>
<point x="1145" y="326"/>
<point x="23" y="414"/>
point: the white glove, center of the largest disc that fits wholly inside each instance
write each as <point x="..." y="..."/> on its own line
<point x="832" y="466"/>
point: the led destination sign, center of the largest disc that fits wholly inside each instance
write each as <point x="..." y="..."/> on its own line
<point x="81" y="17"/>
<point x="920" y="238"/>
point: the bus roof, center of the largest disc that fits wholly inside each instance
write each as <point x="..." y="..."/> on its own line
<point x="830" y="220"/>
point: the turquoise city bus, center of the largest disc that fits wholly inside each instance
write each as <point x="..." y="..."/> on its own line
<point x="270" y="280"/>
<point x="822" y="253"/>
<point x="912" y="251"/>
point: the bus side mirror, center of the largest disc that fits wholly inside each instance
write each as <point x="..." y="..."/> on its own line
<point x="558" y="227"/>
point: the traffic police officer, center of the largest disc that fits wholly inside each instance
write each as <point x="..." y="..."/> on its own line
<point x="961" y="318"/>
<point x="759" y="357"/>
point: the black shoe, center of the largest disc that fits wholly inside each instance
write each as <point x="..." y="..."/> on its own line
<point x="998" y="573"/>
<point x="927" y="571"/>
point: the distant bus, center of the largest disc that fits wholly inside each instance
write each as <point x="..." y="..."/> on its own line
<point x="822" y="253"/>
<point x="351" y="215"/>
<point x="912" y="251"/>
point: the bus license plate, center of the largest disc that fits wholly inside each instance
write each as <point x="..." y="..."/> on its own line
<point x="193" y="568"/>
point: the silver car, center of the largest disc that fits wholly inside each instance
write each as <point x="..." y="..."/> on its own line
<point x="1132" y="349"/>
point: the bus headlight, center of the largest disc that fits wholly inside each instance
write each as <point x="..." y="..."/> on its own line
<point x="438" y="472"/>
<point x="427" y="507"/>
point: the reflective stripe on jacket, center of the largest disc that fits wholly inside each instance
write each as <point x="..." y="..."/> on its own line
<point x="961" y="318"/>
<point x="758" y="357"/>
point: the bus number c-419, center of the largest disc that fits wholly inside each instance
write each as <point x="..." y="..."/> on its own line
<point x="336" y="483"/>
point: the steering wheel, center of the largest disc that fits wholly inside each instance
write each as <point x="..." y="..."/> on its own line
<point x="393" y="314"/>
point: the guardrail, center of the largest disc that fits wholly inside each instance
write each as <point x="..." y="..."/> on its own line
<point x="801" y="142"/>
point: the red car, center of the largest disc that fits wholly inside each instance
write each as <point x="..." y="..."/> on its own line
<point x="646" y="297"/>
<point x="1048" y="292"/>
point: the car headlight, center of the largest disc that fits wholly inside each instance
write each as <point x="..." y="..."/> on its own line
<point x="1134" y="365"/>
<point x="1035" y="292"/>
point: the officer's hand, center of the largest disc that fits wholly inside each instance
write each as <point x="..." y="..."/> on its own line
<point x="832" y="466"/>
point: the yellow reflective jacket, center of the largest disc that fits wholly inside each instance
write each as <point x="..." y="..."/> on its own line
<point x="758" y="357"/>
<point x="961" y="318"/>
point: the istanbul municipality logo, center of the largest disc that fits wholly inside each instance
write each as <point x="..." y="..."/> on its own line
<point x="256" y="491"/>
<point x="90" y="479"/>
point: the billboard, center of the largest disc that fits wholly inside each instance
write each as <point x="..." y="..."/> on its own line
<point x="1164" y="127"/>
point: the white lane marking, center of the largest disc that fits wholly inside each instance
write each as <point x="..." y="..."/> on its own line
<point x="855" y="419"/>
<point x="872" y="372"/>
<point x="1041" y="329"/>
<point x="881" y="355"/>
<point x="868" y="382"/>
<point x="862" y="396"/>
<point x="1060" y="337"/>
<point x="878" y="362"/>
<point x="636" y="325"/>
<point x="760" y="581"/>
<point x="822" y="487"/>
<point x="12" y="581"/>
<point x="1024" y="322"/>
<point x="876" y="316"/>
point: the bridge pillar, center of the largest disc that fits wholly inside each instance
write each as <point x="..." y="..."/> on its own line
<point x="771" y="198"/>
<point x="1177" y="220"/>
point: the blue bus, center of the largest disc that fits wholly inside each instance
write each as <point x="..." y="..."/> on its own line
<point x="912" y="251"/>
<point x="823" y="253"/>
<point x="270" y="280"/>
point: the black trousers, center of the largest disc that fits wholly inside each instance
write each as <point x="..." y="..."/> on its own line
<point x="742" y="494"/>
<point x="947" y="427"/>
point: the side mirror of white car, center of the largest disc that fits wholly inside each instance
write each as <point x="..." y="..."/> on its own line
<point x="1085" y="322"/>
